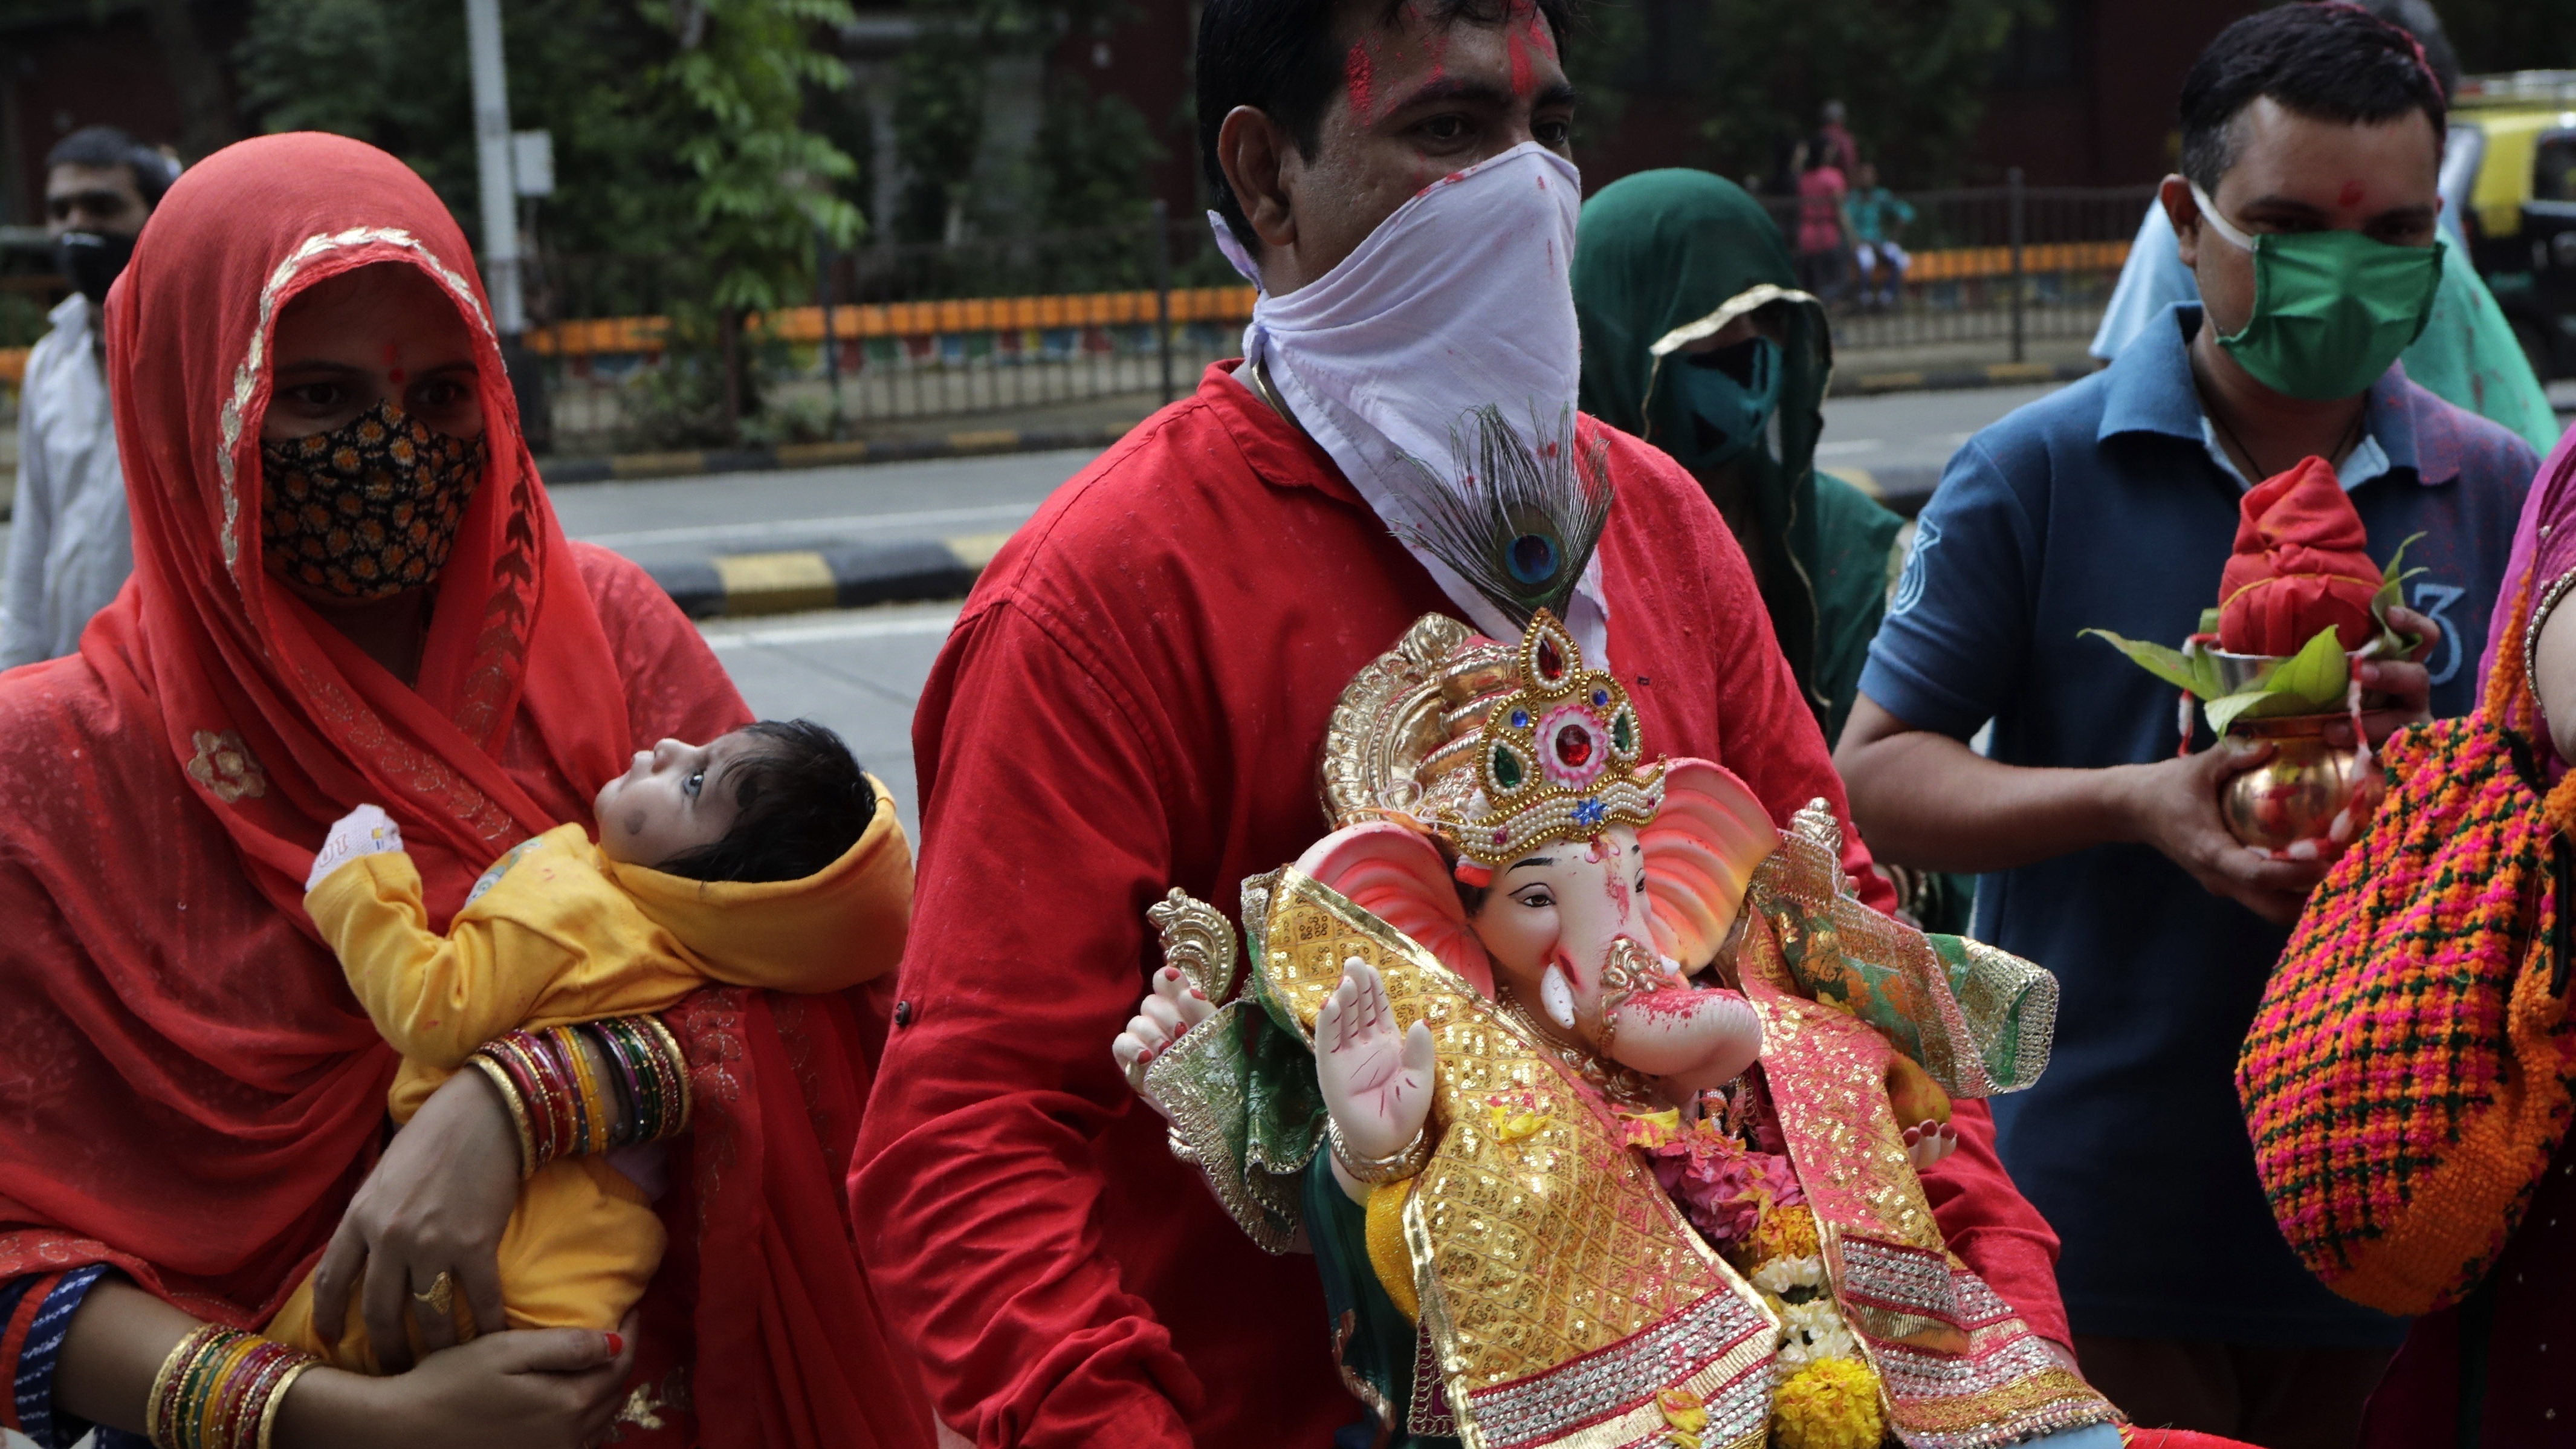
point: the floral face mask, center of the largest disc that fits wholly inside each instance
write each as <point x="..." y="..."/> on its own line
<point x="369" y="509"/>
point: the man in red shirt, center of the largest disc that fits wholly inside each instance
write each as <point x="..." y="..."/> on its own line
<point x="1135" y="698"/>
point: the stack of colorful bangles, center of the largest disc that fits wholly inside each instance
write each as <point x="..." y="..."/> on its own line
<point x="561" y="1102"/>
<point x="220" y="1389"/>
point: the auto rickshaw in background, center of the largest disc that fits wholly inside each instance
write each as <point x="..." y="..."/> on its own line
<point x="2509" y="189"/>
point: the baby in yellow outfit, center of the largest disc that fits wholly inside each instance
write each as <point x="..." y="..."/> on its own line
<point x="765" y="858"/>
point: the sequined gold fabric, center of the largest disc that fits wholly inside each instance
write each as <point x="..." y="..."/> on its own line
<point x="1979" y="1020"/>
<point x="1562" y="1287"/>
<point x="1961" y="1370"/>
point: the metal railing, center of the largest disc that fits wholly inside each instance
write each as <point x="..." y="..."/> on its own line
<point x="1132" y="314"/>
<point x="2008" y="264"/>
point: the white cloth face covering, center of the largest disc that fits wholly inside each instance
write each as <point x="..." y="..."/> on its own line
<point x="1462" y="299"/>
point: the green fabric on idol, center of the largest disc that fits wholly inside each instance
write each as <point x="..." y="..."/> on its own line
<point x="1661" y="249"/>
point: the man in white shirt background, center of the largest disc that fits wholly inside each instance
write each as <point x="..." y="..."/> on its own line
<point x="70" y="545"/>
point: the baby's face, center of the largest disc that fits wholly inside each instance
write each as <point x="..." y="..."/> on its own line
<point x="674" y="798"/>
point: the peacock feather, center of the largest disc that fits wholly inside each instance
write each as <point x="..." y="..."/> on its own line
<point x="1521" y="522"/>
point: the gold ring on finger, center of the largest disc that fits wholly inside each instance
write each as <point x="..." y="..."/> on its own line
<point x="440" y="1295"/>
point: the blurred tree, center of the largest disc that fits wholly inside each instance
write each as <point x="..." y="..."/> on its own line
<point x="764" y="183"/>
<point x="2502" y="35"/>
<point x="393" y="73"/>
<point x="1913" y="74"/>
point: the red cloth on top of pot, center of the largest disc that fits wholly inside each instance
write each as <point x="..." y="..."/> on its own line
<point x="2299" y="566"/>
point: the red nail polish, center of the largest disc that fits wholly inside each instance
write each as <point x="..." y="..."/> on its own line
<point x="616" y="1344"/>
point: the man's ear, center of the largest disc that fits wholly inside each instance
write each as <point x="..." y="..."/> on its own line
<point x="1254" y="152"/>
<point x="2174" y="195"/>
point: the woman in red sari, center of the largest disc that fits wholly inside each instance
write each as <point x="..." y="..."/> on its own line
<point x="192" y="1104"/>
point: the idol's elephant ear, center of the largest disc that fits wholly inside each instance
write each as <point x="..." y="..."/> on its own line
<point x="1396" y="874"/>
<point x="1701" y="850"/>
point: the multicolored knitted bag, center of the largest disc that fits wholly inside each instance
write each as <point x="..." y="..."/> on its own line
<point x="2408" y="1075"/>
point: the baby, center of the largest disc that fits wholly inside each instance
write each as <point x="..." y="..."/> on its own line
<point x="765" y="858"/>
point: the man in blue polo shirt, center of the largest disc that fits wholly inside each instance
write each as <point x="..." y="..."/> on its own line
<point x="2312" y="138"/>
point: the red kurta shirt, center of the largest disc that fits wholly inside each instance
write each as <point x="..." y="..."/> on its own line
<point x="1135" y="699"/>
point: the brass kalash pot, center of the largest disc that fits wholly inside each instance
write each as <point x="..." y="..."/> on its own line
<point x="2311" y="791"/>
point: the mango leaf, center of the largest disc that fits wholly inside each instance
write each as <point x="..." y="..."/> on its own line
<point x="2167" y="664"/>
<point x="2226" y="710"/>
<point x="2208" y="621"/>
<point x="2317" y="673"/>
<point x="2392" y="595"/>
<point x="2207" y="682"/>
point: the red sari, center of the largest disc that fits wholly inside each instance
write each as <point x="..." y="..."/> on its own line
<point x="188" y="1090"/>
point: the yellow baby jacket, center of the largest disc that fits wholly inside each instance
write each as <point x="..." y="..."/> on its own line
<point x="557" y="933"/>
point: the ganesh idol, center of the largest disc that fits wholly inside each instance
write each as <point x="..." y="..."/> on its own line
<point x="1598" y="1098"/>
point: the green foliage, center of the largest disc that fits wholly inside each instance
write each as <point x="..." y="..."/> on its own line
<point x="393" y="73"/>
<point x="1913" y="75"/>
<point x="938" y="122"/>
<point x="2502" y="35"/>
<point x="764" y="183"/>
<point x="22" y="319"/>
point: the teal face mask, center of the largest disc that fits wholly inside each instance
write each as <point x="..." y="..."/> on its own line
<point x="1726" y="398"/>
<point x="2331" y="308"/>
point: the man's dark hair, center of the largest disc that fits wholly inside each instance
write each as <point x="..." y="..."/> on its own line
<point x="2327" y="61"/>
<point x="804" y="803"/>
<point x="1278" y="57"/>
<point x="2418" y="18"/>
<point x="106" y="146"/>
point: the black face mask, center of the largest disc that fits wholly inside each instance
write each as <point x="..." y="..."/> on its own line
<point x="92" y="260"/>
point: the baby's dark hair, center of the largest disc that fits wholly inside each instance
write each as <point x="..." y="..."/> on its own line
<point x="804" y="803"/>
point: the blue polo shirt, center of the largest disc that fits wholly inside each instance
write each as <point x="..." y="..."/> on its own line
<point x="2105" y="506"/>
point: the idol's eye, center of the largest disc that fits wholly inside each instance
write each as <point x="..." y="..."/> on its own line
<point x="1536" y="898"/>
<point x="696" y="781"/>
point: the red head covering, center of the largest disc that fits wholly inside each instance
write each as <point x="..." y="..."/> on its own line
<point x="187" y="1087"/>
<point x="283" y="724"/>
<point x="2299" y="567"/>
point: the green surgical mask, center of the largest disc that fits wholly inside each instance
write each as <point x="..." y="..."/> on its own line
<point x="2331" y="308"/>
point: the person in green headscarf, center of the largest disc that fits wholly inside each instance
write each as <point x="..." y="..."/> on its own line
<point x="1696" y="340"/>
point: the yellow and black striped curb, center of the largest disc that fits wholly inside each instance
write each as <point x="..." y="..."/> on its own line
<point x="967" y="444"/>
<point x="1904" y="488"/>
<point x="1955" y="379"/>
<point x="795" y="580"/>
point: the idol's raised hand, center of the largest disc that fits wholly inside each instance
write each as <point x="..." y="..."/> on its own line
<point x="1376" y="1079"/>
<point x="1168" y="1011"/>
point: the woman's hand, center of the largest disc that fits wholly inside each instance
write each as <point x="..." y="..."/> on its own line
<point x="436" y="1203"/>
<point x="551" y="1388"/>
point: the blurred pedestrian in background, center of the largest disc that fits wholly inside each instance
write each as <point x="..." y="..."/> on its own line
<point x="1878" y="221"/>
<point x="2467" y="355"/>
<point x="2115" y="504"/>
<point x="1824" y="233"/>
<point x="1840" y="147"/>
<point x="70" y="547"/>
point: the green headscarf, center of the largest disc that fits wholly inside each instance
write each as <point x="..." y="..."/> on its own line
<point x="1662" y="250"/>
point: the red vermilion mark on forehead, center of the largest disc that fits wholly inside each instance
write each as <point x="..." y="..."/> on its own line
<point x="1515" y="42"/>
<point x="1359" y="76"/>
<point x="2351" y="194"/>
<point x="1540" y="37"/>
<point x="393" y="363"/>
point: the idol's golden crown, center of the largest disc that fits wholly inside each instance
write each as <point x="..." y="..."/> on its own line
<point x="1500" y="749"/>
